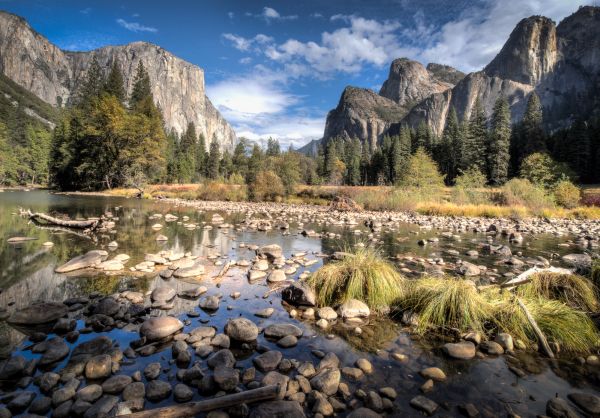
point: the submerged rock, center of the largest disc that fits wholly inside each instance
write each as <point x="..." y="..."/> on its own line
<point x="158" y="328"/>
<point x="38" y="314"/>
<point x="89" y="259"/>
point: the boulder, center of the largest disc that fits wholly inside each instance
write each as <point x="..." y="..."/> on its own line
<point x="38" y="314"/>
<point x="241" y="329"/>
<point x="354" y="308"/>
<point x="299" y="293"/>
<point x="162" y="294"/>
<point x="157" y="328"/>
<point x="271" y="252"/>
<point x="98" y="367"/>
<point x="468" y="269"/>
<point x="87" y="260"/>
<point x="327" y="381"/>
<point x="464" y="350"/>
<point x="279" y="331"/>
<point x="276" y="276"/>
<point x="268" y="361"/>
<point x="197" y="269"/>
<point x="278" y="409"/>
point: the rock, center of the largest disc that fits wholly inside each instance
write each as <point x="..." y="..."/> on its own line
<point x="327" y="313"/>
<point x="267" y="361"/>
<point x="326" y="381"/>
<point x="299" y="294"/>
<point x="193" y="292"/>
<point x="265" y="313"/>
<point x="329" y="361"/>
<point x="89" y="259"/>
<point x="559" y="408"/>
<point x="288" y="341"/>
<point x="424" y="404"/>
<point x="279" y="331"/>
<point x="227" y="378"/>
<point x="364" y="413"/>
<point x="589" y="403"/>
<point x="241" y="329"/>
<point x="163" y="294"/>
<point x="107" y="306"/>
<point x="365" y="365"/>
<point x="275" y="378"/>
<point x="182" y="392"/>
<point x="220" y="340"/>
<point x="98" y="367"/>
<point x="135" y="390"/>
<point x="433" y="373"/>
<point x="278" y="409"/>
<point x="90" y="393"/>
<point x="271" y="252"/>
<point x="152" y="371"/>
<point x="468" y="269"/>
<point x="157" y="390"/>
<point x="115" y="384"/>
<point x="47" y="381"/>
<point x="160" y="327"/>
<point x="38" y="314"/>
<point x="20" y="402"/>
<point x="222" y="358"/>
<point x="161" y="238"/>
<point x="101" y="407"/>
<point x="197" y="269"/>
<point x="464" y="350"/>
<point x="40" y="405"/>
<point x="276" y="276"/>
<point x="354" y="308"/>
<point x="254" y="275"/>
<point x="492" y="348"/>
<point x="352" y="373"/>
<point x="505" y="340"/>
<point x="582" y="262"/>
<point x="209" y="303"/>
<point x="53" y="350"/>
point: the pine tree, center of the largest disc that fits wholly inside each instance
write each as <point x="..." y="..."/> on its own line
<point x="578" y="151"/>
<point x="273" y="148"/>
<point x="92" y="86"/>
<point x="200" y="157"/>
<point x="240" y="159"/>
<point x="214" y="160"/>
<point x="353" y="162"/>
<point x="186" y="154"/>
<point x="499" y="143"/>
<point x="255" y="162"/>
<point x="450" y="147"/>
<point x="401" y="150"/>
<point x="533" y="134"/>
<point x="114" y="83"/>
<point x="421" y="137"/>
<point x="141" y="87"/>
<point x="474" y="150"/>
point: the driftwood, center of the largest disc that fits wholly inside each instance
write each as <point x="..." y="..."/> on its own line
<point x="191" y="409"/>
<point x="538" y="332"/>
<point x="525" y="277"/>
<point x="88" y="223"/>
<point x="223" y="270"/>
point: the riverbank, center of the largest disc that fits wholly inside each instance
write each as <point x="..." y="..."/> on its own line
<point x="446" y="202"/>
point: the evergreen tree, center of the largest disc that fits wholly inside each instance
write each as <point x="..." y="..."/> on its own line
<point x="421" y="137"/>
<point x="92" y="85"/>
<point x="214" y="159"/>
<point x="240" y="158"/>
<point x="141" y="87"/>
<point x="401" y="150"/>
<point x="450" y="147"/>
<point x="201" y="157"/>
<point x="499" y="143"/>
<point x="533" y="138"/>
<point x="186" y="157"/>
<point x="353" y="162"/>
<point x="578" y="151"/>
<point x="255" y="162"/>
<point x="474" y="149"/>
<point x="226" y="165"/>
<point x="114" y="83"/>
<point x="273" y="148"/>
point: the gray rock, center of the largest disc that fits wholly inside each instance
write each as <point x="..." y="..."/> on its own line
<point x="559" y="408"/>
<point x="354" y="308"/>
<point x="241" y="329"/>
<point x="40" y="405"/>
<point x="90" y="393"/>
<point x="152" y="371"/>
<point x="101" y="407"/>
<point x="20" y="402"/>
<point x="134" y="390"/>
<point x="38" y="314"/>
<point x="327" y="381"/>
<point x="278" y="409"/>
<point x="271" y="252"/>
<point x="209" y="303"/>
<point x="464" y="350"/>
<point x="48" y="381"/>
<point x="197" y="269"/>
<point x="588" y="403"/>
<point x="278" y="331"/>
<point x="182" y="392"/>
<point x="157" y="390"/>
<point x="468" y="269"/>
<point x="424" y="404"/>
<point x="299" y="294"/>
<point x="222" y="358"/>
<point x="89" y="259"/>
<point x="287" y="341"/>
<point x="53" y="350"/>
<point x="505" y="340"/>
<point x="364" y="413"/>
<point x="277" y="276"/>
<point x="12" y="367"/>
<point x="115" y="384"/>
<point x="227" y="378"/>
<point x="163" y="294"/>
<point x="267" y="361"/>
<point x="157" y="328"/>
<point x="98" y="367"/>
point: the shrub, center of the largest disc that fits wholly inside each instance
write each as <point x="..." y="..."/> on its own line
<point x="362" y="275"/>
<point x="470" y="187"/>
<point x="521" y="192"/>
<point x="422" y="172"/>
<point x="215" y="190"/>
<point x="567" y="194"/>
<point x="540" y="169"/>
<point x="591" y="199"/>
<point x="267" y="186"/>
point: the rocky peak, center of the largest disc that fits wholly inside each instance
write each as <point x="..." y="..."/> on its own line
<point x="409" y="82"/>
<point x="580" y="39"/>
<point x="530" y="53"/>
<point x="445" y="73"/>
<point x="54" y="75"/>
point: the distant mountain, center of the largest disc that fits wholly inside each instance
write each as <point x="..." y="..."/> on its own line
<point x="561" y="63"/>
<point x="54" y="75"/>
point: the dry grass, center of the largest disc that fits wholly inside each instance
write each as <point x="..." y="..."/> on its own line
<point x="573" y="290"/>
<point x="364" y="276"/>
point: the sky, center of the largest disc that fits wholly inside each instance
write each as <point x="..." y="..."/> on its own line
<point x="275" y="68"/>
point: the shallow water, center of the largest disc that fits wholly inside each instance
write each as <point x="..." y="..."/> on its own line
<point x="27" y="274"/>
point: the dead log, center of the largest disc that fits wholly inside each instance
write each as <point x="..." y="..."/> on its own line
<point x="538" y="332"/>
<point x="223" y="270"/>
<point x="85" y="224"/>
<point x="525" y="277"/>
<point x="191" y="409"/>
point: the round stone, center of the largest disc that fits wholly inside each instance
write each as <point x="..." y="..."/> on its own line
<point x="157" y="328"/>
<point x="241" y="329"/>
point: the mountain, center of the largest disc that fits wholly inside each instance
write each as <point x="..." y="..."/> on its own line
<point x="53" y="75"/>
<point x="561" y="63"/>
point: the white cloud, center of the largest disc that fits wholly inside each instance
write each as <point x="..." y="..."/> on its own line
<point x="258" y="107"/>
<point x="86" y="11"/>
<point x="245" y="60"/>
<point x="244" y="44"/>
<point x="317" y="15"/>
<point x="269" y="14"/>
<point x="231" y="15"/>
<point x="135" y="26"/>
<point x="474" y="39"/>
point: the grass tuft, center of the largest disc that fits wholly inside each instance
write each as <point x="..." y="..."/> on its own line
<point x="575" y="291"/>
<point x="447" y="303"/>
<point x="364" y="276"/>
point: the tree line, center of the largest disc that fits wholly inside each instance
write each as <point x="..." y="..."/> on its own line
<point x="494" y="146"/>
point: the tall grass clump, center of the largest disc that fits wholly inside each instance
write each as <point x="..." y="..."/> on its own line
<point x="469" y="188"/>
<point x="522" y="192"/>
<point x="571" y="328"/>
<point x="447" y="303"/>
<point x="363" y="275"/>
<point x="573" y="290"/>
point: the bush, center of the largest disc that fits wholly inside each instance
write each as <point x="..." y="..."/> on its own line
<point x="267" y="187"/>
<point x="363" y="275"/>
<point x="470" y="188"/>
<point x="571" y="289"/>
<point x="521" y="192"/>
<point x="567" y="194"/>
<point x="542" y="170"/>
<point x="422" y="172"/>
<point x="591" y="199"/>
<point x="215" y="190"/>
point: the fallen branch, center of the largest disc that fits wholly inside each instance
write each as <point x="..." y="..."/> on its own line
<point x="191" y="409"/>
<point x="538" y="332"/>
<point x="88" y="223"/>
<point x="223" y="270"/>
<point x="525" y="277"/>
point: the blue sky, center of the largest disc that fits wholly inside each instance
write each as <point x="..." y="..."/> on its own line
<point x="275" y="68"/>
